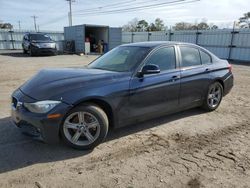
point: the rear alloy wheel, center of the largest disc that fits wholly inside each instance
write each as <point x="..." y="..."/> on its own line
<point x="85" y="127"/>
<point x="214" y="97"/>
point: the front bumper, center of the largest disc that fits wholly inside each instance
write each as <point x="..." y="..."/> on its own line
<point x="37" y="50"/>
<point x="48" y="129"/>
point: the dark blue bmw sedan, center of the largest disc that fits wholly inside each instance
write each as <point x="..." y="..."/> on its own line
<point x="131" y="83"/>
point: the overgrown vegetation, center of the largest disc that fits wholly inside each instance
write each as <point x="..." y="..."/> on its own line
<point x="5" y="26"/>
<point x="244" y="21"/>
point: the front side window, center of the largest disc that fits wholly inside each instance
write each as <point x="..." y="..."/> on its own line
<point x="121" y="59"/>
<point x="205" y="58"/>
<point x="164" y="58"/>
<point x="190" y="56"/>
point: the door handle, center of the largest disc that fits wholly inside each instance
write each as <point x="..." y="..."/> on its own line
<point x="207" y="70"/>
<point x="175" y="77"/>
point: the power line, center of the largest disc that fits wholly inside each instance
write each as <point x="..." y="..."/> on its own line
<point x="118" y="5"/>
<point x="156" y="5"/>
<point x="107" y="5"/>
<point x="131" y="9"/>
<point x="34" y="17"/>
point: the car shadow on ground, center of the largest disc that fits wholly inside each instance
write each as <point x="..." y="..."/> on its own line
<point x="19" y="151"/>
<point x="20" y="54"/>
<point x="14" y="53"/>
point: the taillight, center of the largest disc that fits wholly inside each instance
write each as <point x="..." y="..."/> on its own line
<point x="230" y="67"/>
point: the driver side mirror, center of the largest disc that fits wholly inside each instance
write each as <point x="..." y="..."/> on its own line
<point x="149" y="69"/>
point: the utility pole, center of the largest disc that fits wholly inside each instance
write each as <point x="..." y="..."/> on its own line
<point x="19" y="24"/>
<point x="70" y="12"/>
<point x="34" y="17"/>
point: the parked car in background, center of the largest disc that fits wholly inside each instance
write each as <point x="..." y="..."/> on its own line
<point x="131" y="83"/>
<point x="38" y="43"/>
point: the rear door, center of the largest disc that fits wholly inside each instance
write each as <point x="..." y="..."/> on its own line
<point x="195" y="76"/>
<point x="115" y="37"/>
<point x="156" y="94"/>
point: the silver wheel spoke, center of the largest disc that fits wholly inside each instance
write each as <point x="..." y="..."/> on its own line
<point x="88" y="136"/>
<point x="212" y="91"/>
<point x="217" y="92"/>
<point x="216" y="100"/>
<point x="81" y="117"/>
<point x="92" y="125"/>
<point x="212" y="102"/>
<point x="71" y="125"/>
<point x="210" y="96"/>
<point x="76" y="136"/>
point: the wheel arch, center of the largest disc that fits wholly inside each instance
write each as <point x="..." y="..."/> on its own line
<point x="103" y="104"/>
<point x="221" y="82"/>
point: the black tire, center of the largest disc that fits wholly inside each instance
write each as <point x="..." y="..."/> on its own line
<point x="209" y="105"/>
<point x="25" y="51"/>
<point x="32" y="53"/>
<point x="100" y="116"/>
<point x="55" y="53"/>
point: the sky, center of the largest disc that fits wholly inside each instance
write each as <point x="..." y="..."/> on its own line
<point x="53" y="14"/>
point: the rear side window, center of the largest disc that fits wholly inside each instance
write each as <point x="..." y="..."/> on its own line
<point x="190" y="56"/>
<point x="164" y="58"/>
<point x="205" y="58"/>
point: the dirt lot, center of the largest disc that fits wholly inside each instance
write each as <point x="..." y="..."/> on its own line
<point x="188" y="149"/>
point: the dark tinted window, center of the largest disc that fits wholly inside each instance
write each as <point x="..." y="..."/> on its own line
<point x="205" y="58"/>
<point x="164" y="58"/>
<point x="190" y="56"/>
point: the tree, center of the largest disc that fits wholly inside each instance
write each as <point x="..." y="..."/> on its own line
<point x="212" y="26"/>
<point x="203" y="26"/>
<point x="183" y="26"/>
<point x="6" y="26"/>
<point x="190" y="26"/>
<point x="245" y="20"/>
<point x="159" y="24"/>
<point x="152" y="27"/>
<point x="142" y="25"/>
<point x="131" y="26"/>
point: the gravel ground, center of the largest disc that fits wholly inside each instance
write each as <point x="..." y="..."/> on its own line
<point x="187" y="149"/>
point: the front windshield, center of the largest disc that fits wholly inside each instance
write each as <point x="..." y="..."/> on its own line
<point x="120" y="59"/>
<point x="40" y="37"/>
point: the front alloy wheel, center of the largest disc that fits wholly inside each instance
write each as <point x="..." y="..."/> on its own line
<point x="85" y="127"/>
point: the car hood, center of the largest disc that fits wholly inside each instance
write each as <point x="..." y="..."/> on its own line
<point x="43" y="41"/>
<point x="52" y="82"/>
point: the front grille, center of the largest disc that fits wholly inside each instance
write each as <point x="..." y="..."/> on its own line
<point x="14" y="102"/>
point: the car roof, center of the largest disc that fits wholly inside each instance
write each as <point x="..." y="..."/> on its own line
<point x="35" y="33"/>
<point x="153" y="44"/>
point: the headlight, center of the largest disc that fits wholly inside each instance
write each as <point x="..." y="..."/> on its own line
<point x="53" y="45"/>
<point x="41" y="106"/>
<point x="35" y="44"/>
